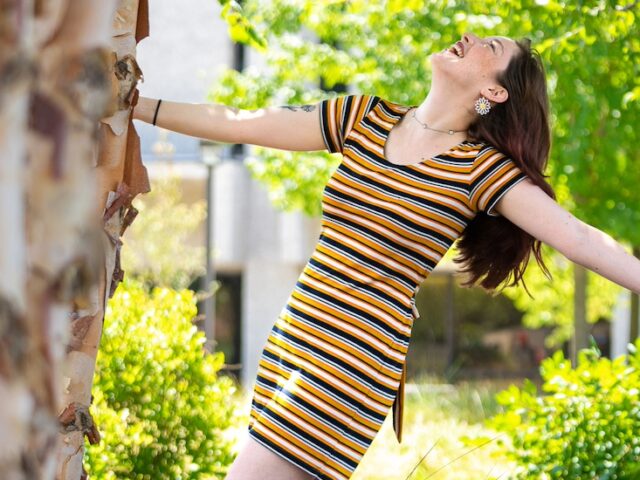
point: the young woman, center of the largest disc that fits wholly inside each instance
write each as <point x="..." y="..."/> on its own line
<point x="466" y="164"/>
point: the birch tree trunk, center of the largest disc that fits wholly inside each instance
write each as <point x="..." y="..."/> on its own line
<point x="21" y="385"/>
<point x="65" y="192"/>
<point x="120" y="177"/>
<point x="55" y="88"/>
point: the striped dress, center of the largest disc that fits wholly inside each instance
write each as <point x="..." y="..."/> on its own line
<point x="333" y="364"/>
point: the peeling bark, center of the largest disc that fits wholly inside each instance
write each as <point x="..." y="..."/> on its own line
<point x="64" y="66"/>
<point x="120" y="176"/>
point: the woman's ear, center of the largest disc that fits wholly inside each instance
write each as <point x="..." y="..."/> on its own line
<point x="496" y="94"/>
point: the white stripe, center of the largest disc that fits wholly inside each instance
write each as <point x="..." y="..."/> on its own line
<point x="345" y="326"/>
<point x="340" y="353"/>
<point x="363" y="248"/>
<point x="363" y="206"/>
<point x="362" y="335"/>
<point x="322" y="405"/>
<point x="372" y="296"/>
<point x="343" y="386"/>
<point x="321" y="466"/>
<point x="309" y="428"/>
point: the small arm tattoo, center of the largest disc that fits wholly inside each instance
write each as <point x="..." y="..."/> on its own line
<point x="295" y="108"/>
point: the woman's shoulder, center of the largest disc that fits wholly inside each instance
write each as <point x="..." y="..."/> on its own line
<point x="395" y="107"/>
<point x="356" y="103"/>
<point x="484" y="148"/>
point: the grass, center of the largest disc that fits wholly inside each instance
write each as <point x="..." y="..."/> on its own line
<point x="438" y="417"/>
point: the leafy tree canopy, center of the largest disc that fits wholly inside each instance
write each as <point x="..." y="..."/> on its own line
<point x="591" y="53"/>
<point x="590" y="49"/>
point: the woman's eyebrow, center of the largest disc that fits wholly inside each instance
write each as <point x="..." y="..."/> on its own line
<point x="500" y="43"/>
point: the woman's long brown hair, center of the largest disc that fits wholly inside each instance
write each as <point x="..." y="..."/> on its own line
<point x="492" y="249"/>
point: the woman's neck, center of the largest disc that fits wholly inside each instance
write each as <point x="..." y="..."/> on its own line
<point x="445" y="110"/>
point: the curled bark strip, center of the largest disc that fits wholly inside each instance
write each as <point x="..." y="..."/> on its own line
<point x="76" y="417"/>
<point x="122" y="197"/>
<point x="128" y="73"/>
<point x="125" y="20"/>
<point x="142" y="26"/>
<point x="133" y="98"/>
<point x="129" y="217"/>
<point x="135" y="173"/>
<point x="118" y="273"/>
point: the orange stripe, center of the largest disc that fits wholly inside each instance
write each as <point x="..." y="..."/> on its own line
<point x="364" y="426"/>
<point x="355" y="450"/>
<point x="281" y="437"/>
<point x="335" y="342"/>
<point x="379" y="402"/>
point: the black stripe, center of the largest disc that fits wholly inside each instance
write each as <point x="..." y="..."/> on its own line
<point x="350" y="309"/>
<point x="405" y="222"/>
<point x="350" y="370"/>
<point x="333" y="391"/>
<point x="366" y="261"/>
<point x="368" y="288"/>
<point x="328" y="419"/>
<point x="288" y="455"/>
<point x="308" y="438"/>
<point x="341" y="334"/>
<point x="325" y="125"/>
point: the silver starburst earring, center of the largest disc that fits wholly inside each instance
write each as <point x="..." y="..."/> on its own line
<point x="483" y="106"/>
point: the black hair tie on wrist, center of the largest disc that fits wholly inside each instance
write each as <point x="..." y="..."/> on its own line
<point x="155" y="115"/>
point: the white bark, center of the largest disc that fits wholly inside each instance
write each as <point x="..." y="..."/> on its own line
<point x="18" y="402"/>
<point x="57" y="254"/>
<point x="120" y="176"/>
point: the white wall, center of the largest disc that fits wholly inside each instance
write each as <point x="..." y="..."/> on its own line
<point x="187" y="46"/>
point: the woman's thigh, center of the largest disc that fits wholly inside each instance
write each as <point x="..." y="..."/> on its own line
<point x="258" y="462"/>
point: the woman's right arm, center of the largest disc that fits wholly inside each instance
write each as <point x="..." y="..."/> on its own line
<point x="294" y="128"/>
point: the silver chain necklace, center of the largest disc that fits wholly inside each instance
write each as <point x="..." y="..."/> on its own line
<point x="427" y="127"/>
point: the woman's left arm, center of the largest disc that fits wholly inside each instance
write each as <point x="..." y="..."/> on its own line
<point x="530" y="208"/>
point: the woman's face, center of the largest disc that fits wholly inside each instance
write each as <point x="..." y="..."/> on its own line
<point x="474" y="62"/>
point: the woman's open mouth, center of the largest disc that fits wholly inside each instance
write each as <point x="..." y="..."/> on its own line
<point x="457" y="49"/>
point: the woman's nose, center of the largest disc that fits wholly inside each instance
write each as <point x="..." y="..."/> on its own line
<point x="469" y="38"/>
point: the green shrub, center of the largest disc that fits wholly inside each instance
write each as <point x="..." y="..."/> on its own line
<point x="585" y="426"/>
<point x="162" y="409"/>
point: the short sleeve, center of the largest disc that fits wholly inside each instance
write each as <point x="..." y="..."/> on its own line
<point x="493" y="175"/>
<point x="337" y="117"/>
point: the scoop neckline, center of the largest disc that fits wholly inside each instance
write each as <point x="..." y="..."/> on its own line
<point x="415" y="164"/>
